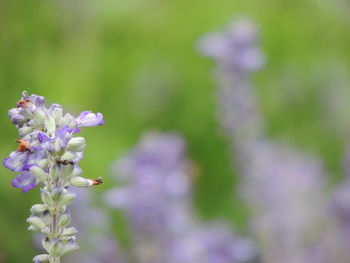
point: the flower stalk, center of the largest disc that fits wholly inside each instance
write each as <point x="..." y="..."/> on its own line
<point x="48" y="155"/>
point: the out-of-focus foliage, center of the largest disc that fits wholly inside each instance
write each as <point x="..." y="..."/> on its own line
<point x="135" y="61"/>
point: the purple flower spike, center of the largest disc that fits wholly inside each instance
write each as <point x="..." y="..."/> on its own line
<point x="25" y="181"/>
<point x="235" y="48"/>
<point x="89" y="119"/>
<point x="48" y="155"/>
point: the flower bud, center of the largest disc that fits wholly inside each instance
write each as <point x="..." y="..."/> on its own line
<point x="55" y="247"/>
<point x="46" y="217"/>
<point x="69" y="247"/>
<point x="36" y="222"/>
<point x="67" y="170"/>
<point x="64" y="220"/>
<point x="39" y="115"/>
<point x="38" y="208"/>
<point x="27" y="113"/>
<point x="79" y="181"/>
<point x="57" y="192"/>
<point x="56" y="112"/>
<point x="67" y="119"/>
<point x="39" y="173"/>
<point x="47" y="198"/>
<point x="67" y="156"/>
<point x="54" y="172"/>
<point x="71" y="231"/>
<point x="67" y="198"/>
<point x="43" y="163"/>
<point x="50" y="125"/>
<point x="24" y="131"/>
<point x="46" y="231"/>
<point x="76" y="144"/>
<point x="41" y="258"/>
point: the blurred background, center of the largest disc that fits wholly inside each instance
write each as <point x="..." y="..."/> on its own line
<point x="136" y="62"/>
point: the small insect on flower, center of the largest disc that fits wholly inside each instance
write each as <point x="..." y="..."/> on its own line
<point x="25" y="103"/>
<point x="23" y="146"/>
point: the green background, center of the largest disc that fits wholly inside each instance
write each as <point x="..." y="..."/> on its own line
<point x="135" y="61"/>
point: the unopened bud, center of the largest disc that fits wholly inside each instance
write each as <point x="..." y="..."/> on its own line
<point x="24" y="131"/>
<point x="27" y="113"/>
<point x="36" y="222"/>
<point x="79" y="181"/>
<point x="54" y="171"/>
<point x="43" y="163"/>
<point x="57" y="192"/>
<point x="67" y="170"/>
<point x="39" y="173"/>
<point x="37" y="209"/>
<point x="56" y="112"/>
<point x="47" y="198"/>
<point x="76" y="144"/>
<point x="67" y="198"/>
<point x="39" y="115"/>
<point x="71" y="231"/>
<point x="67" y="157"/>
<point x="69" y="247"/>
<point x="46" y="231"/>
<point x="64" y="220"/>
<point x="50" y="125"/>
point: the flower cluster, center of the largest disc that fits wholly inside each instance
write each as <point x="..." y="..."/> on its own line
<point x="276" y="180"/>
<point x="156" y="198"/>
<point x="237" y="54"/>
<point x="48" y="154"/>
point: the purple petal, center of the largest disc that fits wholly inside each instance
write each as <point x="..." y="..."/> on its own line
<point x="42" y="137"/>
<point x="89" y="119"/>
<point x="25" y="181"/>
<point x="16" y="161"/>
<point x="37" y="100"/>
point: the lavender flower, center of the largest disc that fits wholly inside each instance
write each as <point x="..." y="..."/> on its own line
<point x="48" y="154"/>
<point x="237" y="54"/>
<point x="284" y="189"/>
<point x="156" y="198"/>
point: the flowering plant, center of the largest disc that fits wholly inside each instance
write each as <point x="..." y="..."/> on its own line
<point x="48" y="154"/>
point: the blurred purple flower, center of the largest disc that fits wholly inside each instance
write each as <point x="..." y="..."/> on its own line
<point x="97" y="243"/>
<point x="156" y="196"/>
<point x="237" y="54"/>
<point x="284" y="189"/>
<point x="235" y="48"/>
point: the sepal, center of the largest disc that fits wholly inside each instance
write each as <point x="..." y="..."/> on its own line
<point x="36" y="222"/>
<point x="69" y="247"/>
<point x="41" y="258"/>
<point x="38" y="208"/>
